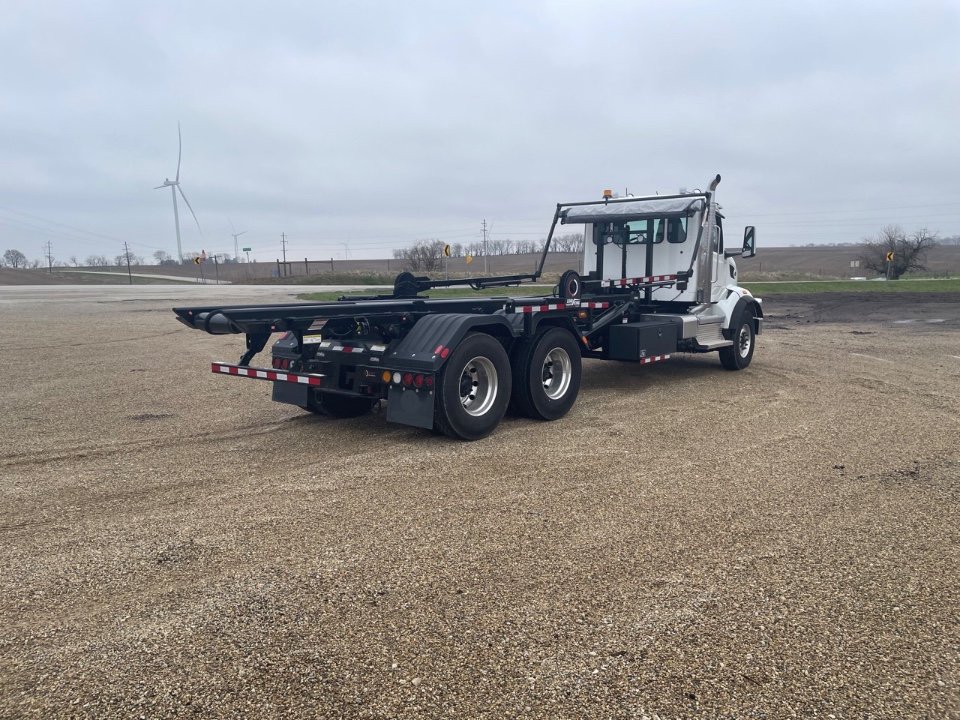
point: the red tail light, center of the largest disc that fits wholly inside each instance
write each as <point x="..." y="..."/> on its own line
<point x="408" y="378"/>
<point x="418" y="380"/>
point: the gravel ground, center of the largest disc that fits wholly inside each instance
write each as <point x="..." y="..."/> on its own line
<point x="688" y="542"/>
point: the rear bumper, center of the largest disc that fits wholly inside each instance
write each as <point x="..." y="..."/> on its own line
<point x="255" y="373"/>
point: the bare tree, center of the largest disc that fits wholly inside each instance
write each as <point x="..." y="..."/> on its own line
<point x="97" y="261"/>
<point x="572" y="242"/>
<point x="15" y="259"/>
<point x="163" y="258"/>
<point x="121" y="259"/>
<point x="909" y="252"/>
<point x="73" y="260"/>
<point x="422" y="255"/>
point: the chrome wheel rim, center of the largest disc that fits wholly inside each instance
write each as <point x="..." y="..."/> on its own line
<point x="556" y="372"/>
<point x="478" y="386"/>
<point x="744" y="341"/>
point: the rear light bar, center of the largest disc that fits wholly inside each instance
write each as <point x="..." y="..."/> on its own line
<point x="416" y="380"/>
<point x="265" y="374"/>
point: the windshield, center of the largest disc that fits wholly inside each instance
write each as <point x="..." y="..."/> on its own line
<point x="639" y="232"/>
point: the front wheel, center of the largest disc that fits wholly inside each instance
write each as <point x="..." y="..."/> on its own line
<point x="473" y="388"/>
<point x="546" y="375"/>
<point x="739" y="355"/>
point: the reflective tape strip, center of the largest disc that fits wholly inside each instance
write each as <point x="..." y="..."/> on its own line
<point x="541" y="308"/>
<point x="596" y="305"/>
<point x="624" y="282"/>
<point x="653" y="359"/>
<point x="263" y="374"/>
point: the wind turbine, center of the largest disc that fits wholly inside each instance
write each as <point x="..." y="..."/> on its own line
<point x="236" y="245"/>
<point x="174" y="186"/>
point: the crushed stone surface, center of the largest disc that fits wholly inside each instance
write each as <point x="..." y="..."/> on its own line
<point x="688" y="542"/>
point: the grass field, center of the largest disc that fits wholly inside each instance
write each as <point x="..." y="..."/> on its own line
<point x="443" y="292"/>
<point x="777" y="288"/>
<point x="758" y="288"/>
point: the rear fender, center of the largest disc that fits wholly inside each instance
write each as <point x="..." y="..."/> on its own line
<point x="423" y="347"/>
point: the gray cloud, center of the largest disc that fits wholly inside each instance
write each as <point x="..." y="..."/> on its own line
<point x="375" y="123"/>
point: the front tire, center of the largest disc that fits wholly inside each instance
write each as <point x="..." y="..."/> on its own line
<point x="546" y="375"/>
<point x="744" y="337"/>
<point x="473" y="389"/>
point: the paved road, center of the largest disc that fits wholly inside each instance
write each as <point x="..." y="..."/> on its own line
<point x="176" y="294"/>
<point x="173" y="278"/>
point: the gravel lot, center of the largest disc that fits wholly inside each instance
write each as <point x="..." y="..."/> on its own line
<point x="688" y="542"/>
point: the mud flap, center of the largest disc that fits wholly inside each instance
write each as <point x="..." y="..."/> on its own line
<point x="291" y="394"/>
<point x="410" y="406"/>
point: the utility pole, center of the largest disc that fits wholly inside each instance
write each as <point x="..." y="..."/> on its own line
<point x="49" y="256"/>
<point x="486" y="262"/>
<point x="126" y="254"/>
<point x="283" y="244"/>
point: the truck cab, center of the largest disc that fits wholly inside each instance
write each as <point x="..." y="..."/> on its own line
<point x="672" y="252"/>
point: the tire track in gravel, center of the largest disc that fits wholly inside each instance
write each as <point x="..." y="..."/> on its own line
<point x="153" y="442"/>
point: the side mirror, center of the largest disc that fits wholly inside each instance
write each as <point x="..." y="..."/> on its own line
<point x="749" y="241"/>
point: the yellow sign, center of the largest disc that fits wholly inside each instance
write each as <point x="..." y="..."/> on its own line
<point x="469" y="259"/>
<point x="446" y="250"/>
<point x="198" y="259"/>
<point x="890" y="256"/>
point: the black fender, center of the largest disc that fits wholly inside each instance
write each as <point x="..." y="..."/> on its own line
<point x="745" y="304"/>
<point x="542" y="321"/>
<point x="422" y="349"/>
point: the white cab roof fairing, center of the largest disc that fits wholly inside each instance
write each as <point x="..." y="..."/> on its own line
<point x="639" y="209"/>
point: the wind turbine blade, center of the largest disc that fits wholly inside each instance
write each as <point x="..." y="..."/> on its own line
<point x="159" y="187"/>
<point x="191" y="208"/>
<point x="241" y="233"/>
<point x="179" y="153"/>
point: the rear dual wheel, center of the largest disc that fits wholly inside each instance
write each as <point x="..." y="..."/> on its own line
<point x="474" y="388"/>
<point x="546" y="374"/>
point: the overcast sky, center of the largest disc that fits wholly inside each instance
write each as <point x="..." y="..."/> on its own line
<point x="366" y="125"/>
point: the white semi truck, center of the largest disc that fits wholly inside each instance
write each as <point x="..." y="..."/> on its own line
<point x="657" y="279"/>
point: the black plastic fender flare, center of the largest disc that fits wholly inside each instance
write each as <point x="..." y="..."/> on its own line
<point x="423" y="347"/>
<point x="743" y="304"/>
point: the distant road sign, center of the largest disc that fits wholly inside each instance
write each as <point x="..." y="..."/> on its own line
<point x="246" y="249"/>
<point x="446" y="250"/>
<point x="890" y="256"/>
<point x="469" y="259"/>
<point x="198" y="259"/>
